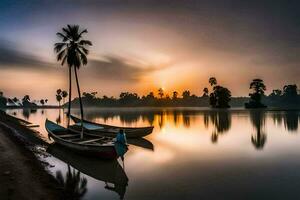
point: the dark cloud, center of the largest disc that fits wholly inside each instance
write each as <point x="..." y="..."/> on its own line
<point x="108" y="68"/>
<point x="118" y="68"/>
<point x="11" y="57"/>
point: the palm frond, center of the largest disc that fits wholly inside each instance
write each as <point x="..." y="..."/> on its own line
<point x="67" y="31"/>
<point x="85" y="50"/>
<point x="63" y="36"/>
<point x="85" y="42"/>
<point x="73" y="31"/>
<point x="59" y="46"/>
<point x="61" y="54"/>
<point x="78" y="60"/>
<point x="82" y="32"/>
<point x="64" y="60"/>
<point x="82" y="57"/>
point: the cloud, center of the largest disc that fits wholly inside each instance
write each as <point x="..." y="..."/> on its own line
<point x="109" y="67"/>
<point x="119" y="68"/>
<point x="11" y="57"/>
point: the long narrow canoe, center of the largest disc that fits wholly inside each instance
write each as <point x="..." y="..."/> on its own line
<point x="103" y="147"/>
<point x="96" y="129"/>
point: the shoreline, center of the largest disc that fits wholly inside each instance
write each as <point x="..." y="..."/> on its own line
<point x="137" y="108"/>
<point x="20" y="169"/>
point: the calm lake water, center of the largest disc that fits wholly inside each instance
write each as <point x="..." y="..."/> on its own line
<point x="191" y="154"/>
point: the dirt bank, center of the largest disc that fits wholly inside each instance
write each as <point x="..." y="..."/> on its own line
<point x="21" y="175"/>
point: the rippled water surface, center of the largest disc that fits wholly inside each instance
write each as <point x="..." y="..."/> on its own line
<point x="191" y="154"/>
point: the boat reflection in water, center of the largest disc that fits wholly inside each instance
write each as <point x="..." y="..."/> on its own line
<point x="141" y="142"/>
<point x="108" y="171"/>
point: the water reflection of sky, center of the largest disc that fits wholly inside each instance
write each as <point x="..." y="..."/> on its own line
<point x="198" y="152"/>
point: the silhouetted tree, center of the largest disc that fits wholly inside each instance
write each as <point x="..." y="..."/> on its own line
<point x="290" y="90"/>
<point x="58" y="99"/>
<point x="58" y="91"/>
<point x="212" y="81"/>
<point x="220" y="96"/>
<point x="15" y="99"/>
<point x="290" y="95"/>
<point x="258" y="87"/>
<point x="186" y="94"/>
<point x="175" y="95"/>
<point x="276" y="93"/>
<point x="72" y="49"/>
<point x="205" y="92"/>
<point x="26" y="98"/>
<point x="149" y="99"/>
<point x="64" y="94"/>
<point x="42" y="101"/>
<point x="160" y="93"/>
<point x="127" y="98"/>
<point x="223" y="96"/>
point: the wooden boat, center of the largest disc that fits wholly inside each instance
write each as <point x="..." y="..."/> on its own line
<point x="96" y="129"/>
<point x="103" y="147"/>
<point x="108" y="171"/>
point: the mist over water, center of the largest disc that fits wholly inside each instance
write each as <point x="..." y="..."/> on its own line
<point x="191" y="154"/>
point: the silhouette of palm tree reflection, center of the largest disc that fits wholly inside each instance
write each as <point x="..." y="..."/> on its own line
<point x="73" y="186"/>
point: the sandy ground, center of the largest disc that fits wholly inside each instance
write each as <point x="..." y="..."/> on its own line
<point x="21" y="175"/>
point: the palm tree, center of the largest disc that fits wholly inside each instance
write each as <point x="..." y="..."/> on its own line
<point x="72" y="49"/>
<point x="58" y="98"/>
<point x="64" y="94"/>
<point x="58" y="91"/>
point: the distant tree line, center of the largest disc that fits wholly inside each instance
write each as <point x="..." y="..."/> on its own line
<point x="25" y="102"/>
<point x="215" y="96"/>
<point x="287" y="97"/>
<point x="218" y="98"/>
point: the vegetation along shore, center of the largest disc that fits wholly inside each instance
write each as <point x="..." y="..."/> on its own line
<point x="215" y="96"/>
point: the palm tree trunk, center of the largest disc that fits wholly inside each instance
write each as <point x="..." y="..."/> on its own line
<point x="70" y="95"/>
<point x="80" y="102"/>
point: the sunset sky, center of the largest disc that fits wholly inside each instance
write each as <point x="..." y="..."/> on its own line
<point x="141" y="45"/>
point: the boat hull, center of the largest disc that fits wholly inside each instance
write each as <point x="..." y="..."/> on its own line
<point x="112" y="131"/>
<point x="106" y="151"/>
